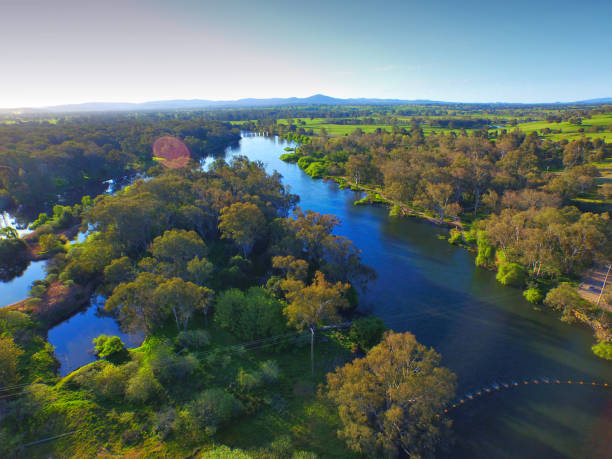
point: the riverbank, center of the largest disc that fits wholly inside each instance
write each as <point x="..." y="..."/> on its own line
<point x="58" y="303"/>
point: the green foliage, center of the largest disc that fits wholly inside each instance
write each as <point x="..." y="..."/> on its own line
<point x="486" y="251"/>
<point x="224" y="452"/>
<point x="533" y="295"/>
<point x="50" y="243"/>
<point x="455" y="236"/>
<point x="603" y="350"/>
<point x="193" y="339"/>
<point x="305" y="161"/>
<point x="367" y="332"/>
<point x="9" y="360"/>
<point x="269" y="370"/>
<point x="511" y="274"/>
<point x="143" y="387"/>
<point x="565" y="298"/>
<point x="399" y="365"/>
<point x="204" y="415"/>
<point x="250" y="315"/>
<point x="316" y="169"/>
<point x="247" y="381"/>
<point x="14" y="258"/>
<point x="108" y="347"/>
<point x="290" y="157"/>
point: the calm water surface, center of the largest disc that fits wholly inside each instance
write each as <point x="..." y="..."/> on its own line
<point x="485" y="332"/>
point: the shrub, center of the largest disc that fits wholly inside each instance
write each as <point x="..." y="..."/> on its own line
<point x="511" y="274"/>
<point x="142" y="387"/>
<point x="470" y="237"/>
<point x="108" y="346"/>
<point x="305" y="161"/>
<point x="603" y="350"/>
<point x="248" y="381"/>
<point x="110" y="382"/>
<point x="50" y="243"/>
<point x="224" y="452"/>
<point x="455" y="236"/>
<point x="269" y="370"/>
<point x="533" y="295"/>
<point x="486" y="251"/>
<point x="367" y="332"/>
<point x="251" y="314"/>
<point x="290" y="157"/>
<point x="316" y="169"/>
<point x="193" y="339"/>
<point x="168" y="367"/>
<point x="565" y="298"/>
<point x="208" y="412"/>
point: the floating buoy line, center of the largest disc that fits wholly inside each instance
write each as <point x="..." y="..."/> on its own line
<point x="515" y="384"/>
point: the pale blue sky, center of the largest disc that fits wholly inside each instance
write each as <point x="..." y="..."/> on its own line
<point x="70" y="51"/>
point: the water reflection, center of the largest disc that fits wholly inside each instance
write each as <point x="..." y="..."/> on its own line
<point x="72" y="338"/>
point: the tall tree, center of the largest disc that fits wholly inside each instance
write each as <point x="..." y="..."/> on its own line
<point x="184" y="299"/>
<point x="242" y="222"/>
<point x="390" y="401"/>
<point x="311" y="306"/>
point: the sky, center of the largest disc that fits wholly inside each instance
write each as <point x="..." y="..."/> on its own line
<point x="73" y="51"/>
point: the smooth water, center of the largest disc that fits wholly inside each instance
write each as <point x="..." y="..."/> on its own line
<point x="485" y="332"/>
<point x="18" y="288"/>
<point x="72" y="338"/>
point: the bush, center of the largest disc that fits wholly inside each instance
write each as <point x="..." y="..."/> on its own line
<point x="207" y="413"/>
<point x="14" y="258"/>
<point x="316" y="169"/>
<point x="50" y="243"/>
<point x="565" y="298"/>
<point x="248" y="381"/>
<point x="533" y="295"/>
<point x="305" y="161"/>
<point x="108" y="346"/>
<point x="251" y="314"/>
<point x="224" y="452"/>
<point x="269" y="370"/>
<point x="486" y="251"/>
<point x="110" y="382"/>
<point x="193" y="339"/>
<point x="455" y="236"/>
<point x="290" y="157"/>
<point x="169" y="367"/>
<point x="511" y="274"/>
<point x="603" y="350"/>
<point x="142" y="387"/>
<point x="367" y="332"/>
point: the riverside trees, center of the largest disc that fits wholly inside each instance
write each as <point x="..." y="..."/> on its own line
<point x="390" y="401"/>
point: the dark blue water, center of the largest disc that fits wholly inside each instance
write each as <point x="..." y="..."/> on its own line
<point x="484" y="331"/>
<point x="72" y="338"/>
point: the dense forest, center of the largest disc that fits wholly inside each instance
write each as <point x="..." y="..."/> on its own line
<point x="43" y="163"/>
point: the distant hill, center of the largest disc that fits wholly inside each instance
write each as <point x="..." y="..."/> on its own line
<point x="317" y="99"/>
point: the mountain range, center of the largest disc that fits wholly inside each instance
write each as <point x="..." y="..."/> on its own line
<point x="317" y="99"/>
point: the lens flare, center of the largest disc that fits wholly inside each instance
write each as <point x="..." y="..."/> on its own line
<point x="171" y="152"/>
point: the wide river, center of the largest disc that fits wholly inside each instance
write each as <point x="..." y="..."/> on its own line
<point x="487" y="334"/>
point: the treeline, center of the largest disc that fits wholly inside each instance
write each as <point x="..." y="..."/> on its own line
<point x="43" y="162"/>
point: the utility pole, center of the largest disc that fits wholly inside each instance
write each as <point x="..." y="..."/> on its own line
<point x="604" y="285"/>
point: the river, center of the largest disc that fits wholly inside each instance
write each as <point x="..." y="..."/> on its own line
<point x="485" y="332"/>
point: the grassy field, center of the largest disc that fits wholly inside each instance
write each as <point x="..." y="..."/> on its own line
<point x="563" y="130"/>
<point x="572" y="131"/>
